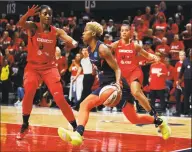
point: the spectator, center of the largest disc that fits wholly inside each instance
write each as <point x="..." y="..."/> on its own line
<point x="20" y="95"/>
<point x="157" y="82"/>
<point x="186" y="70"/>
<point x="157" y="14"/>
<point x="9" y="57"/>
<point x="172" y="29"/>
<point x="137" y="19"/>
<point x="61" y="62"/>
<point x="175" y="48"/>
<point x="76" y="86"/>
<point x="179" y="90"/>
<point x="12" y="48"/>
<point x="141" y="29"/>
<point x="111" y="29"/>
<point x="5" y="79"/>
<point x="179" y="17"/>
<point x="163" y="48"/>
<point x="147" y="16"/>
<point x="160" y="27"/>
<point x="5" y="40"/>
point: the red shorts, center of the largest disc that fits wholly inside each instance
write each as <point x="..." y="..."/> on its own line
<point x="34" y="75"/>
<point x="136" y="74"/>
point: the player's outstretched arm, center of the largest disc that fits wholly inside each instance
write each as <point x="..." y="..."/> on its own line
<point x="145" y="54"/>
<point x="69" y="41"/>
<point x="34" y="10"/>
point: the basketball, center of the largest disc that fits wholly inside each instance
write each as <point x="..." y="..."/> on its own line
<point x="110" y="96"/>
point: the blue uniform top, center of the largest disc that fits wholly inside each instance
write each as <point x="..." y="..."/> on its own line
<point x="105" y="72"/>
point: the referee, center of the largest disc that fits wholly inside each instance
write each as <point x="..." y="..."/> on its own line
<point x="186" y="70"/>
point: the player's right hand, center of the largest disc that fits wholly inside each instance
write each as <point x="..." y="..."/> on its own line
<point x="34" y="10"/>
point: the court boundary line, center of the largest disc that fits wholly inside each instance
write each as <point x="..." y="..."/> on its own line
<point x="37" y="125"/>
<point x="180" y="150"/>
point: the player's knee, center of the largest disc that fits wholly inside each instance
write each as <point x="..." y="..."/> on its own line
<point x="136" y="93"/>
<point x="84" y="106"/>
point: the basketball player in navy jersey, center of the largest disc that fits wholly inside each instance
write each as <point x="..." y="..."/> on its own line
<point x="108" y="70"/>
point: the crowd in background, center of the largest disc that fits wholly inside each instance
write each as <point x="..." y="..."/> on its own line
<point x="169" y="37"/>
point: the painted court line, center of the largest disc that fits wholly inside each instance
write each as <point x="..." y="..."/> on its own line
<point x="183" y="150"/>
<point x="119" y="132"/>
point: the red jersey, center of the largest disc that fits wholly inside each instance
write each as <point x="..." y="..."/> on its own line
<point x="178" y="46"/>
<point x="171" y="71"/>
<point x="41" y="47"/>
<point x="160" y="29"/>
<point x="74" y="70"/>
<point x="61" y="64"/>
<point x="126" y="56"/>
<point x="12" y="48"/>
<point x="177" y="70"/>
<point x="158" y="83"/>
<point x="147" y="18"/>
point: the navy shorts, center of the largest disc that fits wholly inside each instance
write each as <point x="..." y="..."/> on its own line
<point x="126" y="93"/>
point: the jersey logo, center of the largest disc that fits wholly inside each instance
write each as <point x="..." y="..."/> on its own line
<point x="44" y="40"/>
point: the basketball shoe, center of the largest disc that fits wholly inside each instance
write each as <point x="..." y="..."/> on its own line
<point x="69" y="136"/>
<point x="24" y="130"/>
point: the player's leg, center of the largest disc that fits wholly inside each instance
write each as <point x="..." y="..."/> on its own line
<point x="31" y="83"/>
<point x="129" y="111"/>
<point x="51" y="78"/>
<point x="75" y="138"/>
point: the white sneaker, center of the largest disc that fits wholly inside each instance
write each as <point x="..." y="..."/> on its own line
<point x="106" y="109"/>
<point x="114" y="109"/>
<point x="20" y="104"/>
<point x="16" y="103"/>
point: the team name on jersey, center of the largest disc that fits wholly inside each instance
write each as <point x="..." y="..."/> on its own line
<point x="44" y="40"/>
<point x="125" y="51"/>
<point x="155" y="70"/>
<point x="174" y="47"/>
<point x="125" y="62"/>
<point x="160" y="27"/>
<point x="161" y="49"/>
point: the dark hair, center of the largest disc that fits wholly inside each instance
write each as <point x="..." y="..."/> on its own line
<point x="44" y="7"/>
<point x="126" y="22"/>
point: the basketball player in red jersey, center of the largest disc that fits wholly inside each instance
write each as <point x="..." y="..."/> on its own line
<point x="41" y="52"/>
<point x="126" y="55"/>
<point x="109" y="72"/>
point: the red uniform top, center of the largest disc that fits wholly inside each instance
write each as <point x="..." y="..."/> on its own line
<point x="178" y="45"/>
<point x="41" y="47"/>
<point x="147" y="18"/>
<point x="158" y="83"/>
<point x="12" y="48"/>
<point x="126" y="56"/>
<point x="177" y="70"/>
<point x="141" y="31"/>
<point x="61" y="64"/>
<point x="18" y="41"/>
<point x="171" y="72"/>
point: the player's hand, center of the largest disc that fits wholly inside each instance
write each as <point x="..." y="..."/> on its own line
<point x="159" y="74"/>
<point x="34" y="10"/>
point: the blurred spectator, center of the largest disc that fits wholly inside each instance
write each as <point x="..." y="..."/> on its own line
<point x="160" y="27"/>
<point x="163" y="48"/>
<point x="5" y="40"/>
<point x="20" y="95"/>
<point x="172" y="29"/>
<point x="170" y="73"/>
<point x="179" y="17"/>
<point x="186" y="70"/>
<point x="147" y="16"/>
<point x="141" y="29"/>
<point x="76" y="85"/>
<point x="157" y="14"/>
<point x="179" y="89"/>
<point x="157" y="82"/>
<point x="162" y="6"/>
<point x="5" y="80"/>
<point x="111" y="29"/>
<point x="61" y="63"/>
<point x="144" y="63"/>
<point x="9" y="57"/>
<point x="187" y="37"/>
<point x="137" y="18"/>
<point x="12" y="48"/>
<point x="175" y="47"/>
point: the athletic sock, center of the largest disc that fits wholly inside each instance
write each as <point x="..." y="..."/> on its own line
<point x="80" y="129"/>
<point x="73" y="124"/>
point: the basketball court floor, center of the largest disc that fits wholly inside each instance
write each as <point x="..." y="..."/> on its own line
<point x="105" y="132"/>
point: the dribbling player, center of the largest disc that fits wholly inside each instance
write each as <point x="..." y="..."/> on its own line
<point x="109" y="72"/>
<point x="40" y="63"/>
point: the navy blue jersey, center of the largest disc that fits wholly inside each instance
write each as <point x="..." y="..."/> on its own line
<point x="105" y="72"/>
